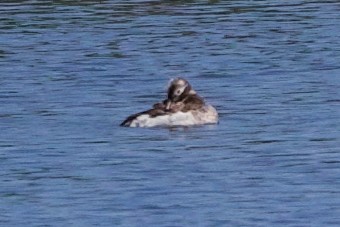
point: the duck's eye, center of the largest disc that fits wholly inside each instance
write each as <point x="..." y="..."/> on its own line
<point x="178" y="92"/>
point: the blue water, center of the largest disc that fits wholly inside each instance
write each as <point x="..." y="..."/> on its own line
<point x="71" y="71"/>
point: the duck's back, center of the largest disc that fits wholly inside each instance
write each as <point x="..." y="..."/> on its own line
<point x="205" y="115"/>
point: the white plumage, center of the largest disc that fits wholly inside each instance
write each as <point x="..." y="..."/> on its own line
<point x="206" y="115"/>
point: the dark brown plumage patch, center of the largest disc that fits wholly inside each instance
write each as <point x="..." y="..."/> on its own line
<point x="192" y="102"/>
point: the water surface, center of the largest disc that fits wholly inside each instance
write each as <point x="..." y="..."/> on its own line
<point x="71" y="71"/>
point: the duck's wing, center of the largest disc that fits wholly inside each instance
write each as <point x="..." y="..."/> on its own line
<point x="127" y="122"/>
<point x="151" y="113"/>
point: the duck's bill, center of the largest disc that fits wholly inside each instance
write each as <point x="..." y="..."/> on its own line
<point x="168" y="105"/>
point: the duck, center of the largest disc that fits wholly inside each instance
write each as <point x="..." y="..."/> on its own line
<point x="182" y="107"/>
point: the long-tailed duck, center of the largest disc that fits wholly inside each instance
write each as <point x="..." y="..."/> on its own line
<point x="183" y="107"/>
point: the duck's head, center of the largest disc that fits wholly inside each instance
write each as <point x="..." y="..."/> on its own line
<point x="179" y="88"/>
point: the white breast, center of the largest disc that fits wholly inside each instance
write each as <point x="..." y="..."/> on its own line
<point x="206" y="115"/>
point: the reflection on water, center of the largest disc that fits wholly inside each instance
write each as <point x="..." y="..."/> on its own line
<point x="71" y="71"/>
